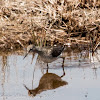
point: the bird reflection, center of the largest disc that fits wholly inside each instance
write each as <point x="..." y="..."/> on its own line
<point x="47" y="82"/>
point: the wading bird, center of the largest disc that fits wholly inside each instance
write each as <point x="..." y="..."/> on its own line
<point x="47" y="54"/>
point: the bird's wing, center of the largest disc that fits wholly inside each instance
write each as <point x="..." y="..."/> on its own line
<point x="46" y="50"/>
<point x="57" y="51"/>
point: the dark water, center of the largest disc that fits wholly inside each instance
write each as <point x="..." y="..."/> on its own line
<point x="82" y="77"/>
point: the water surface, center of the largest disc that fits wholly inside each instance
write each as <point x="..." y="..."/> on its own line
<point x="82" y="75"/>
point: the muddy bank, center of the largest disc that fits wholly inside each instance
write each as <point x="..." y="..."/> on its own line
<point x="48" y="22"/>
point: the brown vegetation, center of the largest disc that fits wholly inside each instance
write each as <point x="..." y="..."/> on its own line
<point x="46" y="22"/>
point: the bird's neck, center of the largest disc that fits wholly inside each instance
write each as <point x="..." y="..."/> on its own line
<point x="38" y="51"/>
<point x="38" y="90"/>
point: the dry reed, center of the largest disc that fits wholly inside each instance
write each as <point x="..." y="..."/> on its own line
<point x="46" y="22"/>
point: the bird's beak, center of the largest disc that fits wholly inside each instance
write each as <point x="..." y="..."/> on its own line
<point x="26" y="55"/>
<point x="26" y="87"/>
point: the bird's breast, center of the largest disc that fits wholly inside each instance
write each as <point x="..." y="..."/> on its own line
<point x="48" y="59"/>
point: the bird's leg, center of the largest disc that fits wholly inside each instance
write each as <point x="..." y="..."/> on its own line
<point x="63" y="67"/>
<point x="47" y="67"/>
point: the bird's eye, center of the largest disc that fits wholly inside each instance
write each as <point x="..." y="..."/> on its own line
<point x="31" y="49"/>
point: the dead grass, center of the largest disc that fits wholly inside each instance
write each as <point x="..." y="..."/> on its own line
<point x="46" y="22"/>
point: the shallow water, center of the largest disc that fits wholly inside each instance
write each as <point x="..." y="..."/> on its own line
<point x="82" y="76"/>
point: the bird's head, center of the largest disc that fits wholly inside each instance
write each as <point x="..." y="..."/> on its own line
<point x="31" y="92"/>
<point x="30" y="48"/>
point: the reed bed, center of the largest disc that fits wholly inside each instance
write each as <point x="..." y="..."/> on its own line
<point x="48" y="22"/>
